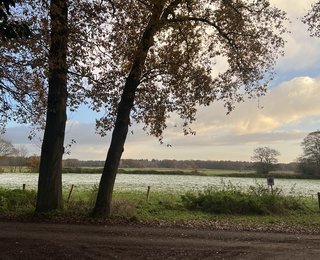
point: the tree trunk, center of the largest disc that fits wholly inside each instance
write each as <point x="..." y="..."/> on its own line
<point x="103" y="203"/>
<point x="50" y="179"/>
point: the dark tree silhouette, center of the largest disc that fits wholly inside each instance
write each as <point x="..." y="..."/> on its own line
<point x="10" y="29"/>
<point x="309" y="162"/>
<point x="50" y="183"/>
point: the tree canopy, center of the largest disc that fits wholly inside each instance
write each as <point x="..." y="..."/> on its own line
<point x="265" y="159"/>
<point x="194" y="40"/>
<point x="23" y="71"/>
<point x="10" y="29"/>
<point x="182" y="70"/>
<point x="312" y="19"/>
<point x="43" y="75"/>
<point x="309" y="162"/>
<point x="161" y="56"/>
<point x="24" y="62"/>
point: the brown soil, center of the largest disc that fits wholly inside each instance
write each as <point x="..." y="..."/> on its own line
<point x="69" y="241"/>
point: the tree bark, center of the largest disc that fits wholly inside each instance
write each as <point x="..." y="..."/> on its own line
<point x="103" y="203"/>
<point x="50" y="179"/>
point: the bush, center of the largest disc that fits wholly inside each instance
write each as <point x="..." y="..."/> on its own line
<point x="232" y="200"/>
<point x="17" y="200"/>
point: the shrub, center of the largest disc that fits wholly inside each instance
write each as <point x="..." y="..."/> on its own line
<point x="16" y="200"/>
<point x="232" y="200"/>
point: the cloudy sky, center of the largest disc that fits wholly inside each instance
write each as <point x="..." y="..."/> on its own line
<point x="279" y="120"/>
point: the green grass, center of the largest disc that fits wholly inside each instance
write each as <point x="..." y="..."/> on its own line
<point x="205" y="171"/>
<point x="170" y="208"/>
<point x="233" y="200"/>
<point x="14" y="169"/>
<point x="93" y="170"/>
<point x="168" y="171"/>
<point x="16" y="201"/>
<point x="174" y="171"/>
<point x="216" y="172"/>
<point x="178" y="171"/>
<point x="291" y="212"/>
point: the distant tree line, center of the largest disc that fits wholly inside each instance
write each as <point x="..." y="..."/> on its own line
<point x="17" y="160"/>
<point x="186" y="164"/>
<point x="178" y="164"/>
<point x="20" y="163"/>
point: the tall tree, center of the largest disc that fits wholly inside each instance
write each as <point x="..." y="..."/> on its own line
<point x="309" y="162"/>
<point x="265" y="159"/>
<point x="33" y="78"/>
<point x="161" y="59"/>
<point x="50" y="184"/>
<point x="50" y="173"/>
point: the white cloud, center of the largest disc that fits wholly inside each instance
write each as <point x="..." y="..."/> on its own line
<point x="287" y="110"/>
<point x="301" y="50"/>
<point x="293" y="8"/>
<point x="288" y="103"/>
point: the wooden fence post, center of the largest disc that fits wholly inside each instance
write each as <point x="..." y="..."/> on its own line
<point x="70" y="193"/>
<point x="23" y="186"/>
<point x="148" y="193"/>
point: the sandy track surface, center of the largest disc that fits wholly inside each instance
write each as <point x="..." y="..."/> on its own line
<point x="66" y="241"/>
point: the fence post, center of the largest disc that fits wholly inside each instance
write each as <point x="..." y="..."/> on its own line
<point x="70" y="193"/>
<point x="270" y="181"/>
<point x="148" y="193"/>
<point x="23" y="186"/>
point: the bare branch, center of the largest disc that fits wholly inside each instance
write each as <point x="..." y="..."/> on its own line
<point x="207" y="22"/>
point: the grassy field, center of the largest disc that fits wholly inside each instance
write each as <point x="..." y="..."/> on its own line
<point x="214" y="172"/>
<point x="168" y="171"/>
<point x="198" y="172"/>
<point x="14" y="169"/>
<point x="274" y="212"/>
<point x="173" y="171"/>
<point x="169" y="207"/>
<point x="206" y="172"/>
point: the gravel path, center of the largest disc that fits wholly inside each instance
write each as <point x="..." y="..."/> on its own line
<point x="68" y="241"/>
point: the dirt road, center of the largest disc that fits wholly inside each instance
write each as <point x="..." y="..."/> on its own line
<point x="63" y="241"/>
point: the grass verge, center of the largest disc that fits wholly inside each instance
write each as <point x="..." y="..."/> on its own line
<point x="211" y="208"/>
